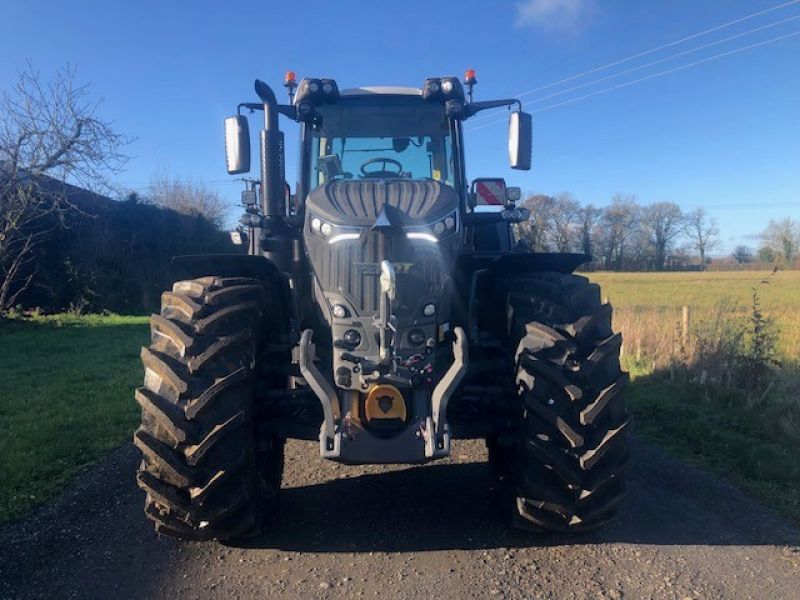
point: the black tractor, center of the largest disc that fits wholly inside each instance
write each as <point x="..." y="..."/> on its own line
<point x="384" y="308"/>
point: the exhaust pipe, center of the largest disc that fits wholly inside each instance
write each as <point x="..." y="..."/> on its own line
<point x="272" y="151"/>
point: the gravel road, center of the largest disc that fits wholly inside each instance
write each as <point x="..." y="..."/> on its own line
<point x="407" y="532"/>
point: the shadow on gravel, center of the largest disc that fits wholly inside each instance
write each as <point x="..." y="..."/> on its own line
<point x="452" y="506"/>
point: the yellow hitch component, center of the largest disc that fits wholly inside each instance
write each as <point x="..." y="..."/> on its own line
<point x="384" y="402"/>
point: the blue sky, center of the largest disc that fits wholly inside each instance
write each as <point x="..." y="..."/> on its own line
<point x="724" y="134"/>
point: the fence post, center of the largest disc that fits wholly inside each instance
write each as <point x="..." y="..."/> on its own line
<point x="685" y="329"/>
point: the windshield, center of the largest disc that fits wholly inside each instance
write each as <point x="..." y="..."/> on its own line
<point x="380" y="138"/>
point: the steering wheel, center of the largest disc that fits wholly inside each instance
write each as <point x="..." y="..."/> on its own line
<point x="383" y="172"/>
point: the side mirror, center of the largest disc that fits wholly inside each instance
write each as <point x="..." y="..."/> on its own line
<point x="237" y="145"/>
<point x="520" y="139"/>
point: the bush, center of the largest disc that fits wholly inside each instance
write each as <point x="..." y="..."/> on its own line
<point x="117" y="258"/>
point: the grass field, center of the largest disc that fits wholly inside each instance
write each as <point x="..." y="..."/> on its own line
<point x="66" y="400"/>
<point x="654" y="300"/>
<point x="700" y="289"/>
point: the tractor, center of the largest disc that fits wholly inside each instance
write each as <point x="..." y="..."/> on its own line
<point x="384" y="308"/>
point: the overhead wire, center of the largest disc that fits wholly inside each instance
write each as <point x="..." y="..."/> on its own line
<point x="652" y="76"/>
<point x="653" y="50"/>
<point x="661" y="60"/>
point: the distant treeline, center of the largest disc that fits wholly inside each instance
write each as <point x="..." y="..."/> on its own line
<point x="115" y="256"/>
<point x="628" y="236"/>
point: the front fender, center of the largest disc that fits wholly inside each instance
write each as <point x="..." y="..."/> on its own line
<point x="194" y="266"/>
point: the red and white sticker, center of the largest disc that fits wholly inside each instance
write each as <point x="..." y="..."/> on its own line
<point x="490" y="192"/>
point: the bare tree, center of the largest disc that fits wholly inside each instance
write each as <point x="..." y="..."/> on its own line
<point x="563" y="218"/>
<point x="188" y="198"/>
<point x="742" y="254"/>
<point x="535" y="230"/>
<point x="782" y="239"/>
<point x="702" y="231"/>
<point x="49" y="133"/>
<point x="616" y="229"/>
<point x="662" y="222"/>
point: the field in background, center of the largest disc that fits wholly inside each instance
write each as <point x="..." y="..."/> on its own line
<point x="647" y="306"/>
<point x="66" y="400"/>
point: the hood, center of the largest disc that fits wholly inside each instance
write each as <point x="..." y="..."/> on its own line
<point x="359" y="203"/>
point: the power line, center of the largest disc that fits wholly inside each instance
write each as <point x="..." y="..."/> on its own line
<point x="656" y="49"/>
<point x="653" y="76"/>
<point x="661" y="60"/>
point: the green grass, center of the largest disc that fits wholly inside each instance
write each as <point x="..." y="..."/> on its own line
<point x="66" y="400"/>
<point x="713" y="430"/>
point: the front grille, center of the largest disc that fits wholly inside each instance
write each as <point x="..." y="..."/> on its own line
<point x="352" y="268"/>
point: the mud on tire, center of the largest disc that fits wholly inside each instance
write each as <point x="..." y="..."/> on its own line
<point x="207" y="474"/>
<point x="564" y="459"/>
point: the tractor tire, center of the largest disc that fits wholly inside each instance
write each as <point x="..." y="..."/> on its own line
<point x="564" y="456"/>
<point x="206" y="471"/>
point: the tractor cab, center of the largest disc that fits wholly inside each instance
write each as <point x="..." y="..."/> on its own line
<point x="382" y="213"/>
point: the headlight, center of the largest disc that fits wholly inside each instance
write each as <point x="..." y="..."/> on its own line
<point x="333" y="234"/>
<point x="435" y="231"/>
<point x="442" y="89"/>
<point x="315" y="92"/>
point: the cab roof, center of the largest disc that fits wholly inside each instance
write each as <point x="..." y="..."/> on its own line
<point x="388" y="90"/>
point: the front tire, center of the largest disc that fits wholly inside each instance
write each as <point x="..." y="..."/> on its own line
<point x="205" y="471"/>
<point x="563" y="461"/>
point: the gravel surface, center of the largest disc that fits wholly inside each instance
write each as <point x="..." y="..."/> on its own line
<point x="407" y="532"/>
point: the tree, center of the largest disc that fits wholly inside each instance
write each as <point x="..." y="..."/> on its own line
<point x="188" y="198"/>
<point x="588" y="218"/>
<point x="662" y="222"/>
<point x="702" y="231"/>
<point x="49" y="133"/>
<point x="742" y="254"/>
<point x="563" y="217"/>
<point x="535" y="230"/>
<point x="782" y="239"/>
<point x="766" y="255"/>
<point x="616" y="228"/>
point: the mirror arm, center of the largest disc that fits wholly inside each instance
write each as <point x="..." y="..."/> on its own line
<point x="251" y="106"/>
<point x="473" y="108"/>
<point x="287" y="110"/>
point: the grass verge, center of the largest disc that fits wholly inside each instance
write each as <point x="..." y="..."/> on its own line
<point x="66" y="400"/>
<point x="714" y="430"/>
